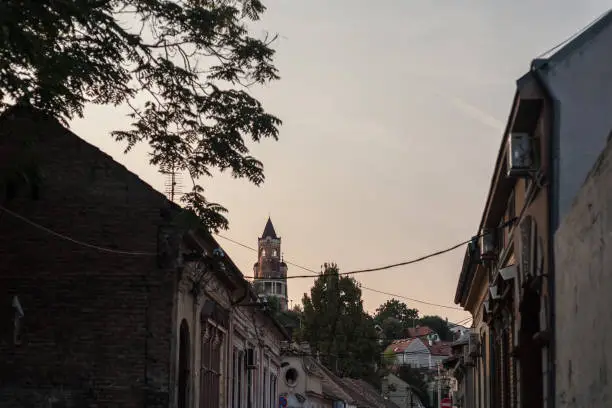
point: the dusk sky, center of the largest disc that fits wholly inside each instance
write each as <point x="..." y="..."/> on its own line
<point x="393" y="113"/>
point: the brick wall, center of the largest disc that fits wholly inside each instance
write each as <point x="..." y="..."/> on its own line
<point x="87" y="312"/>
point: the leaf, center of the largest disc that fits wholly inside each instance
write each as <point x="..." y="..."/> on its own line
<point x="182" y="68"/>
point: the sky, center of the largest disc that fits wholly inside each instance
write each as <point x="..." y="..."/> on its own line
<point x="393" y="113"/>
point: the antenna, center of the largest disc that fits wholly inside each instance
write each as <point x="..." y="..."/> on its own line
<point x="174" y="182"/>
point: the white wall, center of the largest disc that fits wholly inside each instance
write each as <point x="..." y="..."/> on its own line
<point x="416" y="354"/>
<point x="582" y="84"/>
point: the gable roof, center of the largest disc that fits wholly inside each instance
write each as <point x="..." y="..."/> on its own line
<point x="269" y="230"/>
<point x="418" y="331"/>
<point x="576" y="41"/>
<point x="17" y="118"/>
<point x="398" y="346"/>
<point x="368" y="395"/>
<point x="332" y="384"/>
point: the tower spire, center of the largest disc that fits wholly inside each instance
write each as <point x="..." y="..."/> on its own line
<point x="269" y="230"/>
<point x="270" y="270"/>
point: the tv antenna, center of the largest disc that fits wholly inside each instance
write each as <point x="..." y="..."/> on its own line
<point x="174" y="182"/>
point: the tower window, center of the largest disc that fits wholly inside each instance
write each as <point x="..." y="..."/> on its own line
<point x="263" y="252"/>
<point x="275" y="253"/>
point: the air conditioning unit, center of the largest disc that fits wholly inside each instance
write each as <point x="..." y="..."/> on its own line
<point x="494" y="292"/>
<point x="251" y="358"/>
<point x="487" y="245"/>
<point x="521" y="155"/>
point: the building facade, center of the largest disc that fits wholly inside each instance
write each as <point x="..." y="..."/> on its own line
<point x="270" y="271"/>
<point x="558" y="124"/>
<point x="110" y="301"/>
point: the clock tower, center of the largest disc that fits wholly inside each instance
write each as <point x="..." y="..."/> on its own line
<point x="270" y="271"/>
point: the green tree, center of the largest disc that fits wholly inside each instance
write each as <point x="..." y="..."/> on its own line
<point x="273" y="304"/>
<point x="181" y="67"/>
<point x="336" y="325"/>
<point x="439" y="325"/>
<point x="394" y="317"/>
<point x="398" y="310"/>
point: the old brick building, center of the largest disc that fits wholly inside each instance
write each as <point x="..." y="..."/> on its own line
<point x="107" y="300"/>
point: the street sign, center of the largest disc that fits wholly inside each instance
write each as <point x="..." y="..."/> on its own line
<point x="446" y="403"/>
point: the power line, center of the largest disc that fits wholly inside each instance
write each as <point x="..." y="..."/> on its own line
<point x="359" y="271"/>
<point x="74" y="241"/>
<point x="317" y="274"/>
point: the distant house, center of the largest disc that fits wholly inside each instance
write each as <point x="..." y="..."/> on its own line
<point x="421" y="331"/>
<point x="418" y="352"/>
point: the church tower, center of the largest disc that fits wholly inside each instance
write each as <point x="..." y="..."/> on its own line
<point x="270" y="271"/>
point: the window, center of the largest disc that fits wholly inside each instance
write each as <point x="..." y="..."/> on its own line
<point x="236" y="378"/>
<point x="275" y="253"/>
<point x="291" y="376"/>
<point x="273" y="391"/>
<point x="235" y="385"/>
<point x="264" y="388"/>
<point x="210" y="369"/>
<point x="240" y="369"/>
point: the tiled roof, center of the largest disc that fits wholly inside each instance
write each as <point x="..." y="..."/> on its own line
<point x="398" y="346"/>
<point x="418" y="331"/>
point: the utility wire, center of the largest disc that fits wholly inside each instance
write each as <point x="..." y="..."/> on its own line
<point x="317" y="274"/>
<point x="74" y="241"/>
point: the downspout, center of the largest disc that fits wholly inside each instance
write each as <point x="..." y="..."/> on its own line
<point x="553" y="218"/>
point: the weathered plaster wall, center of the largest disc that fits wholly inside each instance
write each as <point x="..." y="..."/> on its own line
<point x="583" y="256"/>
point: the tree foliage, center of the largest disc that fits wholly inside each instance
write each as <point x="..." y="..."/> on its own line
<point x="396" y="309"/>
<point x="336" y="325"/>
<point x="181" y="67"/>
<point x="394" y="317"/>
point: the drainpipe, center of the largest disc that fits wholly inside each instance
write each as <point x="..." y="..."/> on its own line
<point x="553" y="219"/>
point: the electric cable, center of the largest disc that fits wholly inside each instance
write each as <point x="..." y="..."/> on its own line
<point x="316" y="274"/>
